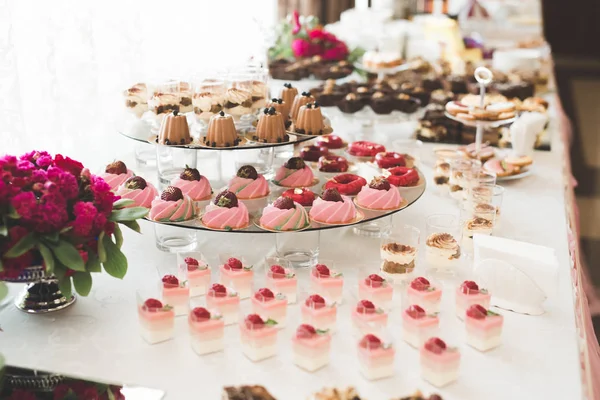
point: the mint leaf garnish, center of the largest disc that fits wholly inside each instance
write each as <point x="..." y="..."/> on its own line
<point x="270" y="322"/>
<point x="166" y="307"/>
<point x="492" y="314"/>
<point x="322" y="331"/>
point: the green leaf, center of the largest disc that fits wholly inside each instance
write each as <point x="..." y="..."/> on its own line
<point x="122" y="203"/>
<point x="65" y="230"/>
<point x="12" y="213"/>
<point x="22" y="246"/>
<point x="128" y="214"/>
<point x="3" y="290"/>
<point x="116" y="262"/>
<point x="101" y="250"/>
<point x="52" y="237"/>
<point x="47" y="256"/>
<point x="59" y="270"/>
<point x="118" y="236"/>
<point x="82" y="282"/>
<point x="133" y="225"/>
<point x="68" y="255"/>
<point x="93" y="264"/>
<point x="1" y="265"/>
<point x="65" y="287"/>
<point x="3" y="230"/>
<point x="110" y="394"/>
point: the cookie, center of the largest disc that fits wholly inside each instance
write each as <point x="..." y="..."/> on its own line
<point x="455" y="107"/>
<point x="500" y="168"/>
<point x="466" y="116"/>
<point x="506" y="115"/>
<point x="503" y="107"/>
<point x="520" y="162"/>
<point x="484" y="114"/>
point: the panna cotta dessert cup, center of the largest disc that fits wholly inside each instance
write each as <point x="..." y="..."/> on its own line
<point x="439" y="363"/>
<point x="281" y="278"/>
<point x="418" y="326"/>
<point x="237" y="275"/>
<point x="377" y="290"/>
<point x="176" y="294"/>
<point x="475" y="226"/>
<point x="468" y="294"/>
<point x="318" y="312"/>
<point x="327" y="282"/>
<point x="484" y="328"/>
<point x="425" y="293"/>
<point x="157" y="320"/>
<point x="270" y="305"/>
<point x="258" y="337"/>
<point x="225" y="301"/>
<point x="311" y="348"/>
<point x="207" y="331"/>
<point x="198" y="272"/>
<point x="442" y="249"/>
<point x="368" y="318"/>
<point x="398" y="253"/>
<point x="375" y="357"/>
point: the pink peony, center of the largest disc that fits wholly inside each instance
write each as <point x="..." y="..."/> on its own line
<point x="69" y="165"/>
<point x="85" y="214"/>
<point x="103" y="197"/>
<point x="67" y="183"/>
<point x="316" y="35"/>
<point x="301" y="48"/>
<point x="338" y="52"/>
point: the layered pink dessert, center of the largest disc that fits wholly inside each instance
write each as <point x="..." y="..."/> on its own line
<point x="367" y="318"/>
<point x="484" y="328"/>
<point x="311" y="347"/>
<point x="226" y="212"/>
<point x="237" y="276"/>
<point x="439" y="363"/>
<point x="176" y="294"/>
<point x="377" y="290"/>
<point x="157" y="322"/>
<point x="469" y="293"/>
<point x="327" y="283"/>
<point x="225" y="301"/>
<point x="137" y="189"/>
<point x="379" y="195"/>
<point x="418" y="326"/>
<point x="270" y="305"/>
<point x="376" y="359"/>
<point x="294" y="174"/>
<point x="115" y="174"/>
<point x="282" y="280"/>
<point x="248" y="184"/>
<point x="198" y="276"/>
<point x="172" y="206"/>
<point x="333" y="208"/>
<point x="284" y="215"/>
<point x="316" y="312"/>
<point x="422" y="293"/>
<point x="193" y="184"/>
<point x="259" y="337"/>
<point x="206" y="331"/>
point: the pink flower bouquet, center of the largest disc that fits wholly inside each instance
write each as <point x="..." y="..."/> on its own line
<point x="54" y="213"/>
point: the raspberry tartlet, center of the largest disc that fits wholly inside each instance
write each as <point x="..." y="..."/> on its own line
<point x="391" y="159"/>
<point x="238" y="276"/>
<point x="333" y="208"/>
<point x="172" y="206"/>
<point x="226" y="213"/>
<point x="311" y="347"/>
<point x="422" y="293"/>
<point x="283" y="280"/>
<point x="379" y="195"/>
<point x="225" y="301"/>
<point x="346" y="184"/>
<point x="157" y="321"/>
<point x="368" y="318"/>
<point x="418" y="326"/>
<point x="302" y="196"/>
<point x="294" y="174"/>
<point x="319" y="313"/>
<point x="176" y="294"/>
<point x="258" y="337"/>
<point x="139" y="190"/>
<point x="198" y="276"/>
<point x="363" y="148"/>
<point x="376" y="358"/>
<point x="206" y="331"/>
<point x="332" y="142"/>
<point x="270" y="305"/>
<point x="313" y="152"/>
<point x="484" y="328"/>
<point x="403" y="176"/>
<point x="247" y="184"/>
<point x="193" y="184"/>
<point x="327" y="283"/>
<point x="284" y="215"/>
<point x="439" y="363"/>
<point x="468" y="294"/>
<point x="115" y="174"/>
<point x="332" y="163"/>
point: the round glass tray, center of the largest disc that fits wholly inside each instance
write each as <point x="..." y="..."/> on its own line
<point x="484" y="124"/>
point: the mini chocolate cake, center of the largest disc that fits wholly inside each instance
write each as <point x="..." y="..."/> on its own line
<point x="406" y="104"/>
<point x="441" y="97"/>
<point x="457" y="84"/>
<point x="329" y="94"/>
<point x="520" y="90"/>
<point x="350" y="104"/>
<point x="335" y="70"/>
<point x="382" y="103"/>
<point x="431" y="84"/>
<point x="413" y="91"/>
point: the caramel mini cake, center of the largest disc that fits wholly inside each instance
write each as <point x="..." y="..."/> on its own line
<point x="310" y="120"/>
<point x="398" y="258"/>
<point x="174" y="130"/>
<point x="270" y="128"/>
<point x="221" y="131"/>
<point x="288" y="94"/>
<point x="281" y="107"/>
<point x="299" y="101"/>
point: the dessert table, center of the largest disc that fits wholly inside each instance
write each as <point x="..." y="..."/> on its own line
<point x="98" y="338"/>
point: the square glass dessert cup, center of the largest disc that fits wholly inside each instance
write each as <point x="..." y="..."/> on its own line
<point x="462" y="176"/>
<point x="442" y="244"/>
<point x="418" y="326"/>
<point x="281" y="278"/>
<point x="311" y="348"/>
<point x="439" y="362"/>
<point x="470" y="293"/>
<point x="225" y="301"/>
<point x="367" y="317"/>
<point x="326" y="281"/>
<point x="425" y="292"/>
<point x="156" y="318"/>
<point x="237" y="273"/>
<point x="198" y="272"/>
<point x="270" y="305"/>
<point x="398" y="253"/>
<point x="375" y="287"/>
<point x="483" y="327"/>
<point x="206" y="328"/>
<point x="487" y="193"/>
<point x="319" y="312"/>
<point x="376" y="356"/>
<point x="174" y="288"/>
<point x="258" y="337"/>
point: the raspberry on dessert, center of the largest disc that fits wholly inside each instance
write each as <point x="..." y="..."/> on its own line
<point x="365" y="307"/>
<point x="201" y="313"/>
<point x="302" y="196"/>
<point x="416" y="311"/>
<point x="331" y="195"/>
<point x="370" y="341"/>
<point x="190" y="174"/>
<point x="136" y="182"/>
<point x="191" y="261"/>
<point x="171" y="193"/>
<point x="294" y="163"/>
<point x="170" y="280"/>
<point x="313" y="153"/>
<point x="277" y="271"/>
<point x="477" y="311"/>
<point x="375" y="280"/>
<point x="469" y="287"/>
<point x="380" y="183"/>
<point x="226" y="199"/>
<point x="321" y="270"/>
<point x="403" y="176"/>
<point x="264" y="294"/>
<point x="233" y="263"/>
<point x="348" y="184"/>
<point x="332" y="163"/>
<point x="248" y="172"/>
<point x="306" y="331"/>
<point x="315" y="301"/>
<point x="363" y="148"/>
<point x="390" y="159"/>
<point x="435" y="345"/>
<point x="152" y="305"/>
<point x="284" y="203"/>
<point x="254" y="321"/>
<point x="420" y="284"/>
<point x="116" y="168"/>
<point x="218" y="290"/>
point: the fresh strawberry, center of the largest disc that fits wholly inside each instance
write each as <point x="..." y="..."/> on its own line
<point x="469" y="287"/>
<point x="321" y="271"/>
<point x="152" y="305"/>
<point x="375" y="281"/>
<point x="306" y="331"/>
<point x="234" y="263"/>
<point x="218" y="290"/>
<point x="201" y="313"/>
<point x="277" y="272"/>
<point x="315" y="301"/>
<point x="264" y="294"/>
<point x="254" y="321"/>
<point x="477" y="311"/>
<point x="170" y="281"/>
<point x="370" y="342"/>
<point x="421" y="284"/>
<point x="435" y="345"/>
<point x="365" y="307"/>
<point x="415" y="311"/>
<point x="171" y="193"/>
<point x="116" y="168"/>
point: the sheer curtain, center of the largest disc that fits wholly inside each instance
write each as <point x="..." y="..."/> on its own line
<point x="64" y="63"/>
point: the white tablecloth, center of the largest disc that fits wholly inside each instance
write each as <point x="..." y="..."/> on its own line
<point x="98" y="337"/>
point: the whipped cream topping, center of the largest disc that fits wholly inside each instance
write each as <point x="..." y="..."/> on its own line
<point x="442" y="241"/>
<point x="166" y="98"/>
<point x="237" y="96"/>
<point x="204" y="101"/>
<point x="484" y="208"/>
<point x="259" y="89"/>
<point x="137" y="93"/>
<point x="478" y="224"/>
<point x="397" y="248"/>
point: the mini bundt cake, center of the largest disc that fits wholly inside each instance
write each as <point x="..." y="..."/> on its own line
<point x="280" y="106"/>
<point x="299" y="101"/>
<point x="174" y="130"/>
<point x="270" y="128"/>
<point x="310" y="120"/>
<point x="288" y="94"/>
<point x="221" y="131"/>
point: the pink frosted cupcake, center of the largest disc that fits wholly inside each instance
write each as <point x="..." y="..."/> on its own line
<point x="333" y="208"/>
<point x="225" y="212"/>
<point x="172" y="206"/>
<point x="294" y="173"/>
<point x="115" y="174"/>
<point x="137" y="189"/>
<point x="193" y="184"/>
<point x="379" y="195"/>
<point x="284" y="215"/>
<point x="248" y="184"/>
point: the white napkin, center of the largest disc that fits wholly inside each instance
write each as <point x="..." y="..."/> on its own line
<point x="524" y="131"/>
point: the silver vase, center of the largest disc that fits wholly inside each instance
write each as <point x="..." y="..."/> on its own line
<point x="41" y="294"/>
